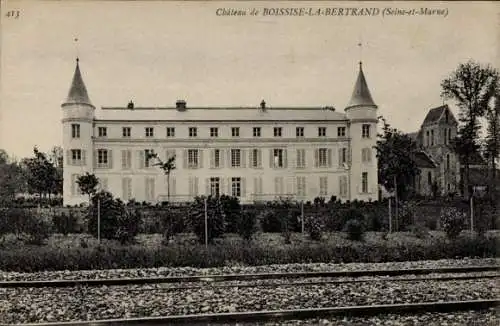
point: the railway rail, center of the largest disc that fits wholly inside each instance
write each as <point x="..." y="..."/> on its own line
<point x="244" y="277"/>
<point x="260" y="316"/>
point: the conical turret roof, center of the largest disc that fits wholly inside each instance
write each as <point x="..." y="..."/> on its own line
<point x="78" y="92"/>
<point x="361" y="95"/>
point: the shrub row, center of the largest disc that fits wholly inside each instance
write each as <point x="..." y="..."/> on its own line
<point x="33" y="259"/>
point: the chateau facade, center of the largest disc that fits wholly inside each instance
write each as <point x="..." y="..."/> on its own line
<point x="255" y="153"/>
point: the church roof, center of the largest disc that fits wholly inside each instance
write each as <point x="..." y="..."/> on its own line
<point x="361" y="95"/>
<point x="423" y="160"/>
<point x="436" y="115"/>
<point x="78" y="92"/>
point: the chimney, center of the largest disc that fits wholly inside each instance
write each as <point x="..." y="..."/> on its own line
<point x="130" y="105"/>
<point x="263" y="105"/>
<point x="180" y="105"/>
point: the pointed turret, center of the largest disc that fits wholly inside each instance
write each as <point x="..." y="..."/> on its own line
<point x="361" y="95"/>
<point x="78" y="92"/>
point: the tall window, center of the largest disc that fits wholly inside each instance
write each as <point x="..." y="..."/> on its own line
<point x="427" y="137"/>
<point x="445" y="136"/>
<point x="170" y="132"/>
<point x="301" y="186"/>
<point x="432" y="137"/>
<point x="102" y="131"/>
<point x="147" y="159"/>
<point x="256" y="131"/>
<point x="321" y="131"/>
<point x="150" y="189"/>
<point x="449" y="135"/>
<point x="214" y="132"/>
<point x="343" y="185"/>
<point x="126" y="131"/>
<point x="366" y="155"/>
<point x="322" y="157"/>
<point x="193" y="132"/>
<point x="236" y="187"/>
<point x="235" y="131"/>
<point x="365" y="131"/>
<point x="216" y="158"/>
<point x="215" y="186"/>
<point x="342" y="155"/>
<point x="126" y="159"/>
<point x="323" y="186"/>
<point x="277" y="131"/>
<point x="76" y="156"/>
<point x="255" y="158"/>
<point x="102" y="157"/>
<point x="193" y="158"/>
<point x="447" y="161"/>
<point x="429" y="178"/>
<point x="341" y="132"/>
<point x="364" y="182"/>
<point x="149" y="131"/>
<point x="278" y="158"/>
<point x="299" y="131"/>
<point x="126" y="188"/>
<point x="75" y="130"/>
<point x="301" y="158"/>
<point x="235" y="158"/>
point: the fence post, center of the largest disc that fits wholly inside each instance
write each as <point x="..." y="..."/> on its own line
<point x="472" y="212"/>
<point x="98" y="219"/>
<point x="206" y="223"/>
<point x="302" y="214"/>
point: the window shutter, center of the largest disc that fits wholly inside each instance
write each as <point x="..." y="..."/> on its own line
<point x="196" y="186"/>
<point x="95" y="159"/>
<point x="185" y="159"/>
<point x="330" y="158"/>
<point x="256" y="187"/>
<point x="110" y="158"/>
<point x="250" y="158"/>
<point x="340" y="157"/>
<point x="229" y="158"/>
<point x="243" y="158"/>
<point x="222" y="187"/>
<point x="212" y="158"/>
<point x="221" y="158"/>
<point x="271" y="159"/>
<point x="259" y="158"/>
<point x="124" y="189"/>
<point x="243" y="187"/>
<point x="140" y="156"/>
<point x="316" y="158"/>
<point x="207" y="186"/>
<point x="73" y="184"/>
<point x="285" y="158"/>
<point x="84" y="157"/>
<point x="124" y="160"/>
<point x="69" y="161"/>
<point x="276" y="186"/>
<point x="200" y="159"/>
<point x="229" y="187"/>
<point x="349" y="156"/>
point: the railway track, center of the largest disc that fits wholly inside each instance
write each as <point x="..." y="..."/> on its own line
<point x="280" y="315"/>
<point x="244" y="277"/>
<point x="310" y="295"/>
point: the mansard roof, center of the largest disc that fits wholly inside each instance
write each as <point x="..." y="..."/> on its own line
<point x="361" y="94"/>
<point x="78" y="92"/>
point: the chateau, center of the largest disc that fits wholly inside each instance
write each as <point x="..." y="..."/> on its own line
<point x="255" y="153"/>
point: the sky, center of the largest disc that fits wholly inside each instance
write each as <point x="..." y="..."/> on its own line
<point x="156" y="52"/>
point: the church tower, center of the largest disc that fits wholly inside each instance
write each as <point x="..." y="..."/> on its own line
<point x="78" y="118"/>
<point x="362" y="114"/>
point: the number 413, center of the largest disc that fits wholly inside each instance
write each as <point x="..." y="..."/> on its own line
<point x="12" y="14"/>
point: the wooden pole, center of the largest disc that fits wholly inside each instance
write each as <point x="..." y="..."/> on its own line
<point x="396" y="213"/>
<point x="98" y="219"/>
<point x="302" y="214"/>
<point x="390" y="215"/>
<point x="206" y="223"/>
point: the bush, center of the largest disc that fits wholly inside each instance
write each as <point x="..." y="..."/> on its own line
<point x="247" y="224"/>
<point x="216" y="220"/>
<point x="419" y="231"/>
<point x="24" y="225"/>
<point x="172" y="221"/>
<point x="452" y="221"/>
<point x="65" y="224"/>
<point x="115" y="222"/>
<point x="314" y="227"/>
<point x="232" y="211"/>
<point x="354" y="230"/>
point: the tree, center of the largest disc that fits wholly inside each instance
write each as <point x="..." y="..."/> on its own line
<point x="395" y="154"/>
<point x="11" y="181"/>
<point x="492" y="142"/>
<point x="472" y="86"/>
<point x="167" y="167"/>
<point x="41" y="175"/>
<point x="88" y="184"/>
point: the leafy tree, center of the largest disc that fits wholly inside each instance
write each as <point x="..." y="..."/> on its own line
<point x="216" y="219"/>
<point x="395" y="154"/>
<point x="88" y="184"/>
<point x="472" y="86"/>
<point x="168" y="166"/>
<point x="41" y="174"/>
<point x="492" y="142"/>
<point x="11" y="179"/>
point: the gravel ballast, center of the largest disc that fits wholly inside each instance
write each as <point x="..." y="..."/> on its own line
<point x="191" y="271"/>
<point x="66" y="304"/>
